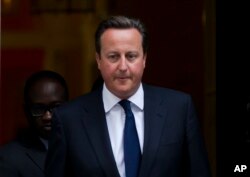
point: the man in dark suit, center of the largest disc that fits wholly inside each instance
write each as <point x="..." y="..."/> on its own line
<point x="126" y="128"/>
<point x="25" y="156"/>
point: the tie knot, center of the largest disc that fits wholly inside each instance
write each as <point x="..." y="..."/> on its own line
<point x="126" y="105"/>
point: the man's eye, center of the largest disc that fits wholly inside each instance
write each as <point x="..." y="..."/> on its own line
<point x="113" y="58"/>
<point x="131" y="57"/>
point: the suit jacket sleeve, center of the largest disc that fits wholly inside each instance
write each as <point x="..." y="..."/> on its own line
<point x="196" y="151"/>
<point x="6" y="169"/>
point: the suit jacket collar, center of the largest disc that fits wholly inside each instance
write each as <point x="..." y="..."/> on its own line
<point x="33" y="147"/>
<point x="153" y="126"/>
<point x="37" y="157"/>
<point x="96" y="127"/>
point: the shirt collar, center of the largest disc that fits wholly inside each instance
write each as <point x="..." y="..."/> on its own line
<point x="110" y="100"/>
<point x="45" y="142"/>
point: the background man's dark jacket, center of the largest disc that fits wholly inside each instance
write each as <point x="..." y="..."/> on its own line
<point x="23" y="157"/>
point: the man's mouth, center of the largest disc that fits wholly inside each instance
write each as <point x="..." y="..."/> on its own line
<point x="123" y="77"/>
<point x="47" y="127"/>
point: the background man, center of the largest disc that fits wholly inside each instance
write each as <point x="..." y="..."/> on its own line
<point x="25" y="156"/>
<point x="126" y="128"/>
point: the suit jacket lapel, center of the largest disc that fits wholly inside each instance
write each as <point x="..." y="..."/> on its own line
<point x="96" y="126"/>
<point x="153" y="125"/>
<point x="37" y="157"/>
<point x="33" y="147"/>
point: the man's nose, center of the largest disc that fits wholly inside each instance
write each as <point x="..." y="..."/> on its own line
<point x="47" y="115"/>
<point x="123" y="64"/>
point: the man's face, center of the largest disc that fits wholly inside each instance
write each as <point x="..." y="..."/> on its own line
<point x="121" y="61"/>
<point x="44" y="95"/>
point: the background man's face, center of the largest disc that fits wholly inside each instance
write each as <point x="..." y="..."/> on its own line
<point x="45" y="93"/>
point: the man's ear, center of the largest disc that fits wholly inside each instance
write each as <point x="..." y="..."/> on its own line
<point x="97" y="58"/>
<point x="27" y="113"/>
<point x="145" y="59"/>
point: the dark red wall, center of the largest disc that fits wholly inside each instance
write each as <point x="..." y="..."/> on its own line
<point x="16" y="66"/>
<point x="175" y="57"/>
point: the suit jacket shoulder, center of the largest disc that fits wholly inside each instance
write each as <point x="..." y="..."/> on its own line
<point x="165" y="95"/>
<point x="25" y="156"/>
<point x="164" y="91"/>
<point x="88" y="102"/>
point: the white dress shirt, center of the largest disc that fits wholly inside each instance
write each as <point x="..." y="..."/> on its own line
<point x="115" y="117"/>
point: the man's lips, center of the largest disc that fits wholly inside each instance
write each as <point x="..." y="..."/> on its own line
<point x="123" y="77"/>
<point x="47" y="127"/>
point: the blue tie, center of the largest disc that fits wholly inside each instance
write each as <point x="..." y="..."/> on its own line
<point x="132" y="151"/>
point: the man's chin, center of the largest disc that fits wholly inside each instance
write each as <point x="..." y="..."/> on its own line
<point x="124" y="92"/>
<point x="45" y="132"/>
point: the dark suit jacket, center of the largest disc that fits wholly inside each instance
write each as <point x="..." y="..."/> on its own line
<point x="23" y="157"/>
<point x="173" y="147"/>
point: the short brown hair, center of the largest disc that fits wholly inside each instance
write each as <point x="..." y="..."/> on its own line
<point x="121" y="22"/>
